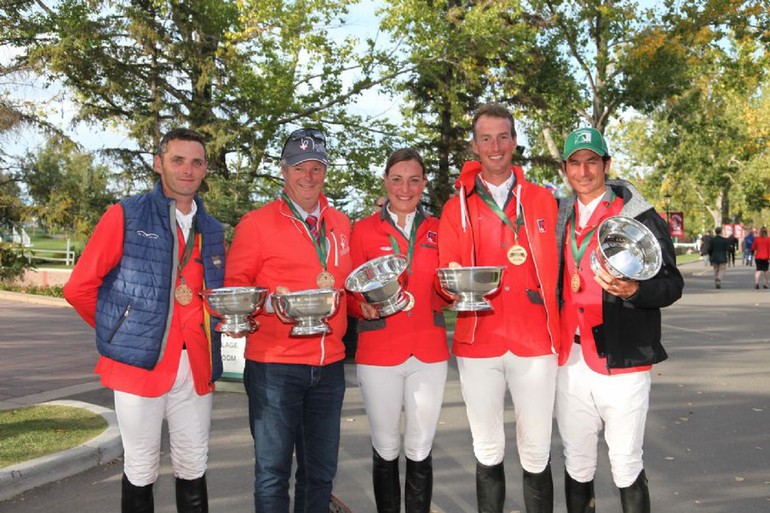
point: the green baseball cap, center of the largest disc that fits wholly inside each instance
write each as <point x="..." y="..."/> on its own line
<point x="585" y="139"/>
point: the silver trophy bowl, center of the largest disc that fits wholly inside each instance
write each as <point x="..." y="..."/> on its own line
<point x="380" y="282"/>
<point x="235" y="306"/>
<point x="307" y="309"/>
<point x="626" y="249"/>
<point x="468" y="286"/>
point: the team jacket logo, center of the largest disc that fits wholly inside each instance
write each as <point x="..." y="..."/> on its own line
<point x="541" y="225"/>
<point x="344" y="245"/>
<point x="142" y="233"/>
<point x="432" y="237"/>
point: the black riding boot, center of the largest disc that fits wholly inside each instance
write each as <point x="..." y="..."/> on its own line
<point x="636" y="498"/>
<point x="192" y="495"/>
<point x="387" y="485"/>
<point x="490" y="487"/>
<point x="419" y="485"/>
<point x="136" y="499"/>
<point x="580" y="496"/>
<point x="538" y="491"/>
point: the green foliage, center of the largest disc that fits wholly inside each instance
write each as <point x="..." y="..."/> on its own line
<point x="12" y="263"/>
<point x="69" y="191"/>
<point x="244" y="73"/>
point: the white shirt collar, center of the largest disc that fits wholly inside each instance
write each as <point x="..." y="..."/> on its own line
<point x="500" y="192"/>
<point x="185" y="220"/>
<point x="407" y="229"/>
<point x="586" y="211"/>
<point x="316" y="211"/>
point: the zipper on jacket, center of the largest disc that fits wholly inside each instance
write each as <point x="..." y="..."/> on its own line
<point x="120" y="323"/>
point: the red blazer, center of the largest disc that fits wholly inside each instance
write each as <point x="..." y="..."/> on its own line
<point x="271" y="248"/>
<point x="420" y="331"/>
<point x="525" y="319"/>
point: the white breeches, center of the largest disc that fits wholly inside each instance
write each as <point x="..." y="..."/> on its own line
<point x="587" y="400"/>
<point x="414" y="386"/>
<point x="531" y="382"/>
<point x="189" y="419"/>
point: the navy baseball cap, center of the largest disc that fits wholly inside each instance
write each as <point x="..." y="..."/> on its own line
<point x="305" y="144"/>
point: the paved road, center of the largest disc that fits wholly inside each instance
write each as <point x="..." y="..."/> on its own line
<point x="707" y="445"/>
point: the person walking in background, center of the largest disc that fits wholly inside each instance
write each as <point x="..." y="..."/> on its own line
<point x="748" y="254"/>
<point x="498" y="218"/>
<point x="718" y="251"/>
<point x="732" y="240"/>
<point x="760" y="248"/>
<point x="402" y="358"/>
<point x="295" y="384"/>
<point x="138" y="283"/>
<point x="610" y="330"/>
<point x="705" y="247"/>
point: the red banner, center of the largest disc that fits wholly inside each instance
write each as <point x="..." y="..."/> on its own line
<point x="676" y="224"/>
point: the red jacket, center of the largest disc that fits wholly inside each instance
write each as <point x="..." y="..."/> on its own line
<point x="271" y="248"/>
<point x="583" y="309"/>
<point x="525" y="319"/>
<point x="103" y="252"/>
<point x="761" y="248"/>
<point x="420" y="331"/>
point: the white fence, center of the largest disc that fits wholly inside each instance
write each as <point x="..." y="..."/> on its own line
<point x="49" y="255"/>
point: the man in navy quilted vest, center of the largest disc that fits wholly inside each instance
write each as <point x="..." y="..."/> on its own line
<point x="137" y="283"/>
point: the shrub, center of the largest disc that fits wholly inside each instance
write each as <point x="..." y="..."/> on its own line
<point x="12" y="263"/>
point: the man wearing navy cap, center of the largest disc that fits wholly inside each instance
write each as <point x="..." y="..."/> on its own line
<point x="610" y="330"/>
<point x="295" y="384"/>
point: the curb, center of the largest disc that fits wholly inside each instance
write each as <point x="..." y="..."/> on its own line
<point x="33" y="298"/>
<point x="22" y="477"/>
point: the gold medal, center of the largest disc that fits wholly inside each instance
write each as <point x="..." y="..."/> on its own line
<point x="325" y="280"/>
<point x="575" y="282"/>
<point x="517" y="255"/>
<point x="183" y="294"/>
<point x="410" y="301"/>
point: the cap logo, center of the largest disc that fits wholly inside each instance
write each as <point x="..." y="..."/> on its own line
<point x="583" y="137"/>
<point x="304" y="142"/>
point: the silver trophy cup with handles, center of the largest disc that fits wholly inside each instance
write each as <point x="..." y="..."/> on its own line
<point x="307" y="310"/>
<point x="469" y="286"/>
<point x="626" y="249"/>
<point x="380" y="282"/>
<point x="235" y="306"/>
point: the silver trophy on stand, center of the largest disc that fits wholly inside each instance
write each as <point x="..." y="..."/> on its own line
<point x="236" y="307"/>
<point x="626" y="249"/>
<point x="469" y="286"/>
<point x="307" y="310"/>
<point x="380" y="282"/>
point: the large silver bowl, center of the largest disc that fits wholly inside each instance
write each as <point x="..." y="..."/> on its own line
<point x="235" y="306"/>
<point x="468" y="286"/>
<point x="307" y="309"/>
<point x="380" y="282"/>
<point x="626" y="249"/>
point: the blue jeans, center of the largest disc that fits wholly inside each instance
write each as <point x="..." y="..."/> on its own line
<point x="294" y="407"/>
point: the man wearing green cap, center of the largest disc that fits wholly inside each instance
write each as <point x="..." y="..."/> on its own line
<point x="610" y="330"/>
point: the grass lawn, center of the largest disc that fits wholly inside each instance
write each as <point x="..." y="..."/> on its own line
<point x="28" y="433"/>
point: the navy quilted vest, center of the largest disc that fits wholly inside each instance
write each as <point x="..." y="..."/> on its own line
<point x="133" y="311"/>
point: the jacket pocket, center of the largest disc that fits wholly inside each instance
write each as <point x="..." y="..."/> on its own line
<point x="119" y="323"/>
<point x="534" y="297"/>
<point x="370" y="325"/>
<point x="599" y="341"/>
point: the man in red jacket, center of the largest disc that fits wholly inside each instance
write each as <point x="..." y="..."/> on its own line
<point x="138" y="283"/>
<point x="295" y="384"/>
<point x="499" y="218"/>
<point x="610" y="330"/>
